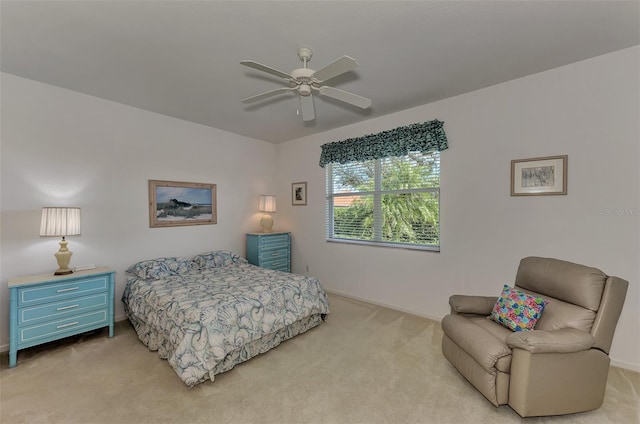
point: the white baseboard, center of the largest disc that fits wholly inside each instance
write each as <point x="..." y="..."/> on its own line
<point x="384" y="305"/>
<point x="625" y="365"/>
<point x="614" y="363"/>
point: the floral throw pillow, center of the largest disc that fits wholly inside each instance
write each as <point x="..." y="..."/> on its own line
<point x="155" y="269"/>
<point x="517" y="310"/>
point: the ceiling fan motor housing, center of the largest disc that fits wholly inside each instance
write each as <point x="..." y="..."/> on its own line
<point x="303" y="77"/>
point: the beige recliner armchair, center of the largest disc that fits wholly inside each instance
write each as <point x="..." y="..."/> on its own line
<point x="561" y="366"/>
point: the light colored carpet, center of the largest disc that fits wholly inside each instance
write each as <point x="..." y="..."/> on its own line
<point x="366" y="364"/>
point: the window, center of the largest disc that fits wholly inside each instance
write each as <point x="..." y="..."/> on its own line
<point x="384" y="189"/>
<point x="392" y="201"/>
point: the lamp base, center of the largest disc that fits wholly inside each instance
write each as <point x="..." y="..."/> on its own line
<point x="64" y="257"/>
<point x="266" y="222"/>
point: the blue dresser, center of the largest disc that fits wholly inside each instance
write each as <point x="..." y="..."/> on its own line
<point x="48" y="307"/>
<point x="270" y="250"/>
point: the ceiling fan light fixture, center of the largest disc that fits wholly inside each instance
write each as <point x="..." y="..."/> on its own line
<point x="304" y="90"/>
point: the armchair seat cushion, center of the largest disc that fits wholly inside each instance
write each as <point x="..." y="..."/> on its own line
<point x="489" y="350"/>
<point x="500" y="331"/>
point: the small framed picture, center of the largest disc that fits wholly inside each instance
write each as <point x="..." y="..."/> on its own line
<point x="539" y="176"/>
<point x="173" y="203"/>
<point x="299" y="194"/>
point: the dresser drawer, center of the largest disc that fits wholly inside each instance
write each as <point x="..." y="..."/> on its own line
<point x="280" y="253"/>
<point x="277" y="240"/>
<point x="61" y="291"/>
<point x="275" y="263"/>
<point x="281" y="267"/>
<point x="59" y="328"/>
<point x="274" y="246"/>
<point x="54" y="311"/>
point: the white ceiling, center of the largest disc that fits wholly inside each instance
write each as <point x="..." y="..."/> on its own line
<point x="182" y="58"/>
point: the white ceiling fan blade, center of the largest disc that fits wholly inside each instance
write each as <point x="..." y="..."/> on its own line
<point x="267" y="94"/>
<point x="335" y="68"/>
<point x="345" y="96"/>
<point x="265" y="68"/>
<point x="307" y="109"/>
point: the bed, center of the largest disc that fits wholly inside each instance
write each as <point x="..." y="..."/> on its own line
<point x="207" y="314"/>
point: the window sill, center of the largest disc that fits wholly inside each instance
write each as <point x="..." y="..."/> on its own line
<point x="434" y="249"/>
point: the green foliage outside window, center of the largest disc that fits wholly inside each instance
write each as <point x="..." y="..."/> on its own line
<point x="389" y="200"/>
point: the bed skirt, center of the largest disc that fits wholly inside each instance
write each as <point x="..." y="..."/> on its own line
<point x="265" y="343"/>
<point x="156" y="342"/>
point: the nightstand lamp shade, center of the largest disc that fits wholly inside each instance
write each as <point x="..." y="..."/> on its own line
<point x="61" y="222"/>
<point x="267" y="205"/>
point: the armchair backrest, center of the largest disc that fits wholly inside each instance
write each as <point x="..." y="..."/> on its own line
<point x="579" y="296"/>
<point x="604" y="326"/>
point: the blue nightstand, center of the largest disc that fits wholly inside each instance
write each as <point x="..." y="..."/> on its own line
<point x="47" y="307"/>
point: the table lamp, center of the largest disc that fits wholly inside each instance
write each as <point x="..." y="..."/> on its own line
<point x="61" y="222"/>
<point x="267" y="205"/>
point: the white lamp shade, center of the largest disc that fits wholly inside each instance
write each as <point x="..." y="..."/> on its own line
<point x="267" y="203"/>
<point x="60" y="222"/>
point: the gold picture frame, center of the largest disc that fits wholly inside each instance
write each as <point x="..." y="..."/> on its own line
<point x="544" y="176"/>
<point x="174" y="203"/>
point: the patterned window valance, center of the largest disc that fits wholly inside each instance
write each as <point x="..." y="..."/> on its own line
<point x="425" y="137"/>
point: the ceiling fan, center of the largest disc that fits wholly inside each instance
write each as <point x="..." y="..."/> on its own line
<point x="306" y="81"/>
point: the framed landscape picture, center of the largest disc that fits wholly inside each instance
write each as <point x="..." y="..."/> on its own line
<point x="539" y="176"/>
<point x="299" y="194"/>
<point x="173" y="203"/>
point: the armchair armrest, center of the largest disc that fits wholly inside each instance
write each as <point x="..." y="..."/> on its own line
<point x="564" y="340"/>
<point x="480" y="305"/>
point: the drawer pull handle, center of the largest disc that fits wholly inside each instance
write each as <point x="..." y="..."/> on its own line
<point x="67" y="307"/>
<point x="275" y="264"/>
<point x="69" y="289"/>
<point x="275" y="254"/>
<point x="69" y="324"/>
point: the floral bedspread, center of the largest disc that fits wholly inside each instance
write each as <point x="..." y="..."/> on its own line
<point x="206" y="321"/>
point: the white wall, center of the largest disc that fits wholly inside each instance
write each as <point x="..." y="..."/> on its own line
<point x="588" y="110"/>
<point x="62" y="148"/>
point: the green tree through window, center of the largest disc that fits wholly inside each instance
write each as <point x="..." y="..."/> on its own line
<point x="393" y="200"/>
